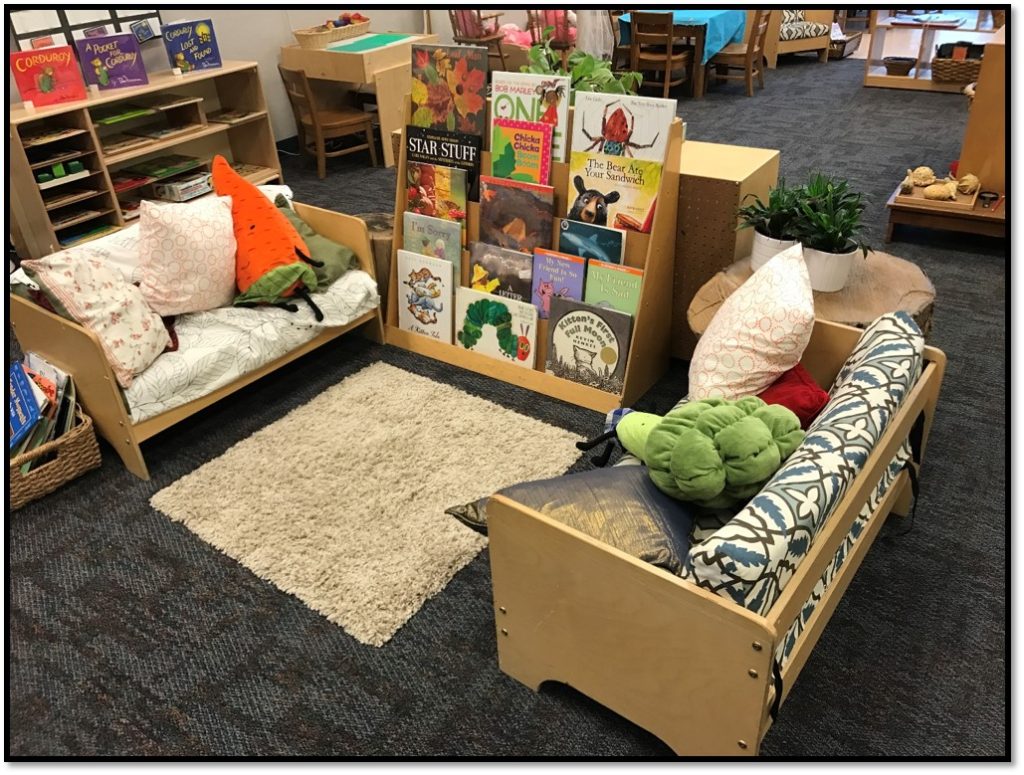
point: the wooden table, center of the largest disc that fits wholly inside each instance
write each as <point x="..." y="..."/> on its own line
<point x="980" y="220"/>
<point x="386" y="70"/>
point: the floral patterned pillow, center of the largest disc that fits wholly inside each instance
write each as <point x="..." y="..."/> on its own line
<point x="98" y="298"/>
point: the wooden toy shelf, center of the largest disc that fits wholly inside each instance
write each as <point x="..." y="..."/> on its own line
<point x="76" y="132"/>
<point x="650" y="339"/>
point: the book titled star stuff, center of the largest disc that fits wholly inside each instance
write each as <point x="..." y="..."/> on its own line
<point x="460" y="150"/>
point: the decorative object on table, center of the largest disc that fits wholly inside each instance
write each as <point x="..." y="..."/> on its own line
<point x="968" y="184"/>
<point x="556" y="275"/>
<point x="987" y="198"/>
<point x="460" y="150"/>
<point x="191" y="45"/>
<point x="436" y="237"/>
<point x="437" y="191"/>
<point x="500" y="327"/>
<point x="516" y="215"/>
<point x="622" y="125"/>
<point x="941" y="191"/>
<point x="47" y="76"/>
<point x="907" y="184"/>
<point x="588" y="240"/>
<point x="112" y="61"/>
<point x="347" y="25"/>
<point x="898" y="65"/>
<point x="613" y="285"/>
<point x="534" y="97"/>
<point x="922" y="176"/>
<point x="830" y="230"/>
<point x="449" y="88"/>
<point x="588" y="344"/>
<point x="609" y="190"/>
<point x="521" y="150"/>
<point x="775" y="222"/>
<point x="501" y="271"/>
<point x="425" y="305"/>
<point x="586" y="73"/>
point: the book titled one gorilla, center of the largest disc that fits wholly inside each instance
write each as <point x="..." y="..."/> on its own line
<point x="588" y="344"/>
<point x="613" y="191"/>
<point x="460" y="150"/>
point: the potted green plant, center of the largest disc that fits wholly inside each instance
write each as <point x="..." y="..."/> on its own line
<point x="586" y="72"/>
<point x="775" y="222"/>
<point x="829" y="228"/>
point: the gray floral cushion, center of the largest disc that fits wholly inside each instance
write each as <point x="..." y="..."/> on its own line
<point x="754" y="555"/>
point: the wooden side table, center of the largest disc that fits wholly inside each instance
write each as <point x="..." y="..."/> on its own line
<point x="878" y="284"/>
<point x="980" y="220"/>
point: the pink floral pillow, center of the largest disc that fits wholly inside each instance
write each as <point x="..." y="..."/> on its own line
<point x="758" y="333"/>
<point x="187" y="255"/>
<point x="99" y="298"/>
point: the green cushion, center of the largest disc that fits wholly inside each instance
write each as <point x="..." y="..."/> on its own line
<point x="337" y="259"/>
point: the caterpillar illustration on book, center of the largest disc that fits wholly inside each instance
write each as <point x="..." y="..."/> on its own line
<point x="272" y="262"/>
<point x="486" y="312"/>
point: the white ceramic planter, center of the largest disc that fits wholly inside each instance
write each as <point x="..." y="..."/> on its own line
<point x="766" y="248"/>
<point x="828" y="271"/>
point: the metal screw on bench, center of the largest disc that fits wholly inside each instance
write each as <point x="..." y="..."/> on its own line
<point x="742" y="744"/>
<point x="756" y="646"/>
<point x="502" y="609"/>
<point x="752" y="673"/>
<point x="504" y="631"/>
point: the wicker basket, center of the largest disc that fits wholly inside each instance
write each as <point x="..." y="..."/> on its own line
<point x="314" y="37"/>
<point x="75" y="453"/>
<point x="955" y="70"/>
<point x="898" y="65"/>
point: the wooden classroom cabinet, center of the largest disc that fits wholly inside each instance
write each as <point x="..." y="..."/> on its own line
<point x="984" y="149"/>
<point x="714" y="181"/>
<point x="71" y="209"/>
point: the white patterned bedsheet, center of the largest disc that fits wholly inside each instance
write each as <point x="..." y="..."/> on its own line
<point x="217" y="347"/>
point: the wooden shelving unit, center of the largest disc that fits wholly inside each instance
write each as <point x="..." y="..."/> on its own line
<point x="75" y="131"/>
<point x="977" y="27"/>
<point x="649" y="350"/>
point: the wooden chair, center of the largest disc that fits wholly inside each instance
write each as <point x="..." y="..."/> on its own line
<point x="747" y="56"/>
<point x="654" y="48"/>
<point x="620" y="53"/>
<point x="317" y="125"/>
<point x="470" y="28"/>
<point x="539" y="20"/>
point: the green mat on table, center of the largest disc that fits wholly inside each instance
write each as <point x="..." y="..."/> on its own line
<point x="369" y="41"/>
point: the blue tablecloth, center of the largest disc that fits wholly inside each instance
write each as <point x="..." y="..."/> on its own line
<point x="724" y="27"/>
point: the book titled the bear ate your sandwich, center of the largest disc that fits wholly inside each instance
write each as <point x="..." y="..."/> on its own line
<point x="613" y="191"/>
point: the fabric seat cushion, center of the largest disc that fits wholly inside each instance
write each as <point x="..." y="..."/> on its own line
<point x="801" y="30"/>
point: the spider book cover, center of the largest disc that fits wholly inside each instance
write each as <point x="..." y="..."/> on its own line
<point x="460" y="150"/>
<point x="112" y="61"/>
<point x="613" y="190"/>
<point x="449" y="88"/>
<point x="622" y="125"/>
<point x="532" y="97"/>
<point x="588" y="344"/>
<point x="425" y="301"/>
<point x="515" y="214"/>
<point x="501" y="271"/>
<point x="502" y="328"/>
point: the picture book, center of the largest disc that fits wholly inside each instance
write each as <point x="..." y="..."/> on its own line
<point x="613" y="285"/>
<point x="230" y="116"/>
<point x="556" y="275"/>
<point x="112" y="61"/>
<point x="162" y="166"/>
<point x="613" y="191"/>
<point x="22" y="405"/>
<point x="589" y="241"/>
<point x="47" y="76"/>
<point x="501" y="271"/>
<point x="515" y="214"/>
<point x="437" y="191"/>
<point x="434" y="237"/>
<point x="502" y="328"/>
<point x="191" y="45"/>
<point x="532" y="97"/>
<point x="622" y="125"/>
<point x="425" y="303"/>
<point x="449" y="88"/>
<point x="521" y="150"/>
<point x="448" y="149"/>
<point x="588" y="344"/>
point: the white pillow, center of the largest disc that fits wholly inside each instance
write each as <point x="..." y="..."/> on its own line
<point x="188" y="255"/>
<point x="758" y="333"/>
<point x="271" y="190"/>
<point x="98" y="298"/>
<point x="119" y="250"/>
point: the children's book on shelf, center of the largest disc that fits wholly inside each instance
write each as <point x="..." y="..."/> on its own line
<point x="533" y="97"/>
<point x="191" y="45"/>
<point x="613" y="285"/>
<point x="23" y="405"/>
<point x="167" y="100"/>
<point x="230" y="116"/>
<point x="112" y="61"/>
<point x="52" y="390"/>
<point x="437" y="191"/>
<point x="460" y="150"/>
<point x="120" y="142"/>
<point x="613" y="190"/>
<point x="119" y="113"/>
<point x="589" y="241"/>
<point x="434" y="237"/>
<point x="66" y="196"/>
<point x="41" y="135"/>
<point x="425" y="303"/>
<point x="449" y="88"/>
<point x="521" y="150"/>
<point x="47" y="76"/>
<point x="556" y="275"/>
<point x="501" y="271"/>
<point x="163" y="166"/>
<point x="515" y="214"/>
<point x="165" y="132"/>
<point x="622" y="125"/>
<point x="126" y="181"/>
<point x="502" y="328"/>
<point x="588" y="344"/>
<point x="68" y="217"/>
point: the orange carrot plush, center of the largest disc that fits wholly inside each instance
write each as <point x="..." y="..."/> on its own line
<point x="272" y="262"/>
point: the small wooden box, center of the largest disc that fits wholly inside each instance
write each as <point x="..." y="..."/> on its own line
<point x="714" y="181"/>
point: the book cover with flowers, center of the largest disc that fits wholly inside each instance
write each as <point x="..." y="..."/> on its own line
<point x="449" y="88"/>
<point x="521" y="150"/>
<point x="47" y="76"/>
<point x="437" y="191"/>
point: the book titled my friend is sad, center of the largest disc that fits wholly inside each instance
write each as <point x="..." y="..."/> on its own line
<point x="613" y="285"/>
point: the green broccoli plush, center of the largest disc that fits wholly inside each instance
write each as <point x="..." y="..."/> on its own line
<point x="714" y="452"/>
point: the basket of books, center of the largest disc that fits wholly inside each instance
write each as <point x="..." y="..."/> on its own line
<point x="70" y="456"/>
<point x="958" y="62"/>
<point x="346" y="26"/>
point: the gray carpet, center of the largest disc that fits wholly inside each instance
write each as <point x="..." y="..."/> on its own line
<point x="130" y="636"/>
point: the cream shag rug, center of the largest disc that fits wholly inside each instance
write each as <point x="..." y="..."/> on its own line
<point x="341" y="502"/>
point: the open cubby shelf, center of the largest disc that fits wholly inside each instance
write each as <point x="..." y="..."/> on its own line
<point x="649" y="345"/>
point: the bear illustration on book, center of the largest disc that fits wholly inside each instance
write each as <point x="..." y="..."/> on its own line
<point x="591" y="206"/>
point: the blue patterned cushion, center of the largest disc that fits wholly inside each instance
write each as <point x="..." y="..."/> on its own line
<point x="751" y="558"/>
